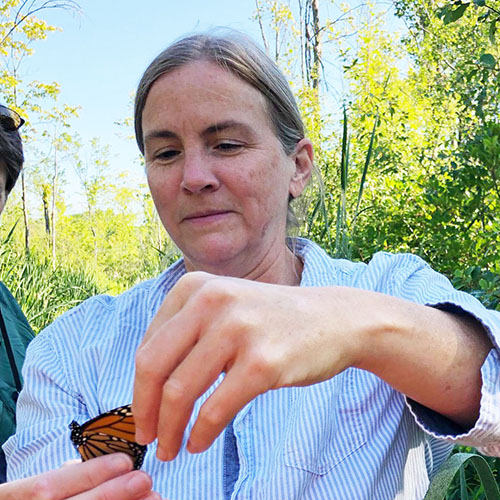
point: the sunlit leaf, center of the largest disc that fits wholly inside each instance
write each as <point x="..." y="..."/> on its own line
<point x="454" y="15"/>
<point x="488" y="60"/>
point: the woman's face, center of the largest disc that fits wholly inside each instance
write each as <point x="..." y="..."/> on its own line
<point x="217" y="172"/>
<point x="3" y="182"/>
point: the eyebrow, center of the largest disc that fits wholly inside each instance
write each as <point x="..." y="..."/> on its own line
<point x="211" y="130"/>
<point x="229" y="124"/>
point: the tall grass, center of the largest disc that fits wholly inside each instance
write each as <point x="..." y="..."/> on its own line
<point x="43" y="292"/>
<point x="346" y="219"/>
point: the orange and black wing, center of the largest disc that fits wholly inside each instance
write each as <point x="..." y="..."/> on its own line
<point x="111" y="432"/>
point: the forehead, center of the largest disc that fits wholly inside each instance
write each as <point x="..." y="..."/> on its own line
<point x="200" y="89"/>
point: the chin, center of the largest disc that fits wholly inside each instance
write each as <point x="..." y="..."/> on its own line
<point x="213" y="258"/>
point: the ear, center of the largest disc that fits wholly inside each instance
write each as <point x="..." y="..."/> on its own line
<point x="304" y="158"/>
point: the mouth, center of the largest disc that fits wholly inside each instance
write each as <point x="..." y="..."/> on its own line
<point x="206" y="216"/>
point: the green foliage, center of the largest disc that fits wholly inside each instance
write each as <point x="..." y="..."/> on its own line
<point x="44" y="292"/>
<point x="487" y="13"/>
<point x="319" y="221"/>
<point x="467" y="484"/>
<point x="464" y="200"/>
<point x="484" y="285"/>
<point x="440" y="485"/>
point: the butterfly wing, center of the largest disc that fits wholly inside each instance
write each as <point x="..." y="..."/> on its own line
<point x="111" y="432"/>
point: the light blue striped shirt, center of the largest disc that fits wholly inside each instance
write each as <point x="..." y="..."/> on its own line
<point x="351" y="437"/>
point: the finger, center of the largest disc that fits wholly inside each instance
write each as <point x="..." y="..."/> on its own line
<point x="69" y="480"/>
<point x="241" y="385"/>
<point x="134" y="485"/>
<point x="182" y="389"/>
<point x="152" y="496"/>
<point x="72" y="462"/>
<point x="175" y="300"/>
<point x="155" y="361"/>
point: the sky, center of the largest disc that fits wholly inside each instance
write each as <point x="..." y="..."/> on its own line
<point x="100" y="54"/>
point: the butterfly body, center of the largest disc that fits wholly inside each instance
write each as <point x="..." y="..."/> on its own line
<point x="111" y="432"/>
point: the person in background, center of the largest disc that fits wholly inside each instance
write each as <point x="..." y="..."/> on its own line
<point x="258" y="366"/>
<point x="115" y="471"/>
<point x="15" y="332"/>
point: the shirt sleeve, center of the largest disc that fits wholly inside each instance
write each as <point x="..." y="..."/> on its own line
<point x="47" y="404"/>
<point x="417" y="282"/>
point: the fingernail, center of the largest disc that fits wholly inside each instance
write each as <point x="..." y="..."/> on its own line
<point x="153" y="496"/>
<point x="121" y="461"/>
<point x="163" y="454"/>
<point x="139" y="482"/>
<point x="140" y="437"/>
<point x="193" y="448"/>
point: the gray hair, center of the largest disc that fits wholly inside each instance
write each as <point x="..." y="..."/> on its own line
<point x="11" y="151"/>
<point x="239" y="55"/>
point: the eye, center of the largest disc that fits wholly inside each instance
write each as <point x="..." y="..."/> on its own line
<point x="229" y="147"/>
<point x="168" y="154"/>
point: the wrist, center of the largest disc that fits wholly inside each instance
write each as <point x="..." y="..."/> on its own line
<point x="383" y="326"/>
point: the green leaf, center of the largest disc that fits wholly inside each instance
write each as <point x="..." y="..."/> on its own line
<point x="344" y="161"/>
<point x="443" y="479"/>
<point x="493" y="30"/>
<point x="480" y="3"/>
<point x="454" y="15"/>
<point x="488" y="61"/>
<point x="365" y="168"/>
<point x="463" y="485"/>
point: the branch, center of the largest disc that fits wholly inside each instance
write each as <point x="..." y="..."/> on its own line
<point x="259" y="18"/>
<point x="492" y="9"/>
<point x="19" y="19"/>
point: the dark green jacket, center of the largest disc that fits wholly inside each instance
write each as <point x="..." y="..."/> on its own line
<point x="14" y="325"/>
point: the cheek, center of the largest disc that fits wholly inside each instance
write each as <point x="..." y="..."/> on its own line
<point x="268" y="190"/>
<point x="160" y="186"/>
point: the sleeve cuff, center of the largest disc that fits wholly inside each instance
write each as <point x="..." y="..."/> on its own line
<point x="485" y="434"/>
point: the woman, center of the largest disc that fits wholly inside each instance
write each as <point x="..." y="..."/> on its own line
<point x="15" y="332"/>
<point x="370" y="364"/>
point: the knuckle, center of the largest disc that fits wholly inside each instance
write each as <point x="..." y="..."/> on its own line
<point x="244" y="322"/>
<point x="145" y="363"/>
<point x="191" y="280"/>
<point x="216" y="291"/>
<point x="89" y="477"/>
<point x="261" y="367"/>
<point x="107" y="492"/>
<point x="43" y="488"/>
<point x="211" y="416"/>
<point x="174" y="392"/>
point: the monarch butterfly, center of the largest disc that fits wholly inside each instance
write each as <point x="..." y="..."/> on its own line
<point x="109" y="432"/>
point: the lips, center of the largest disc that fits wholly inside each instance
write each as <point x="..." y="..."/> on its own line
<point x="206" y="215"/>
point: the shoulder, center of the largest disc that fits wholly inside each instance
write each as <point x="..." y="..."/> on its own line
<point x="14" y="320"/>
<point x="385" y="272"/>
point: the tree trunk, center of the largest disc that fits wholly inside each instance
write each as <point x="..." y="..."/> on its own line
<point x="53" y="208"/>
<point x="316" y="44"/>
<point x="45" y="201"/>
<point x="312" y="43"/>
<point x="25" y="214"/>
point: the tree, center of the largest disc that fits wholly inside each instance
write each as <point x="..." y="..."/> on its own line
<point x="19" y="28"/>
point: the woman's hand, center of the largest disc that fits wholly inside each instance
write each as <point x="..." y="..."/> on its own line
<point x="270" y="336"/>
<point x="262" y="336"/>
<point x="109" y="477"/>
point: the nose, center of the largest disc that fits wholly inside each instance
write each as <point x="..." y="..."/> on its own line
<point x="198" y="174"/>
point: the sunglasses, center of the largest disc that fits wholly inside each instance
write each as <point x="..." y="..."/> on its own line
<point x="9" y="119"/>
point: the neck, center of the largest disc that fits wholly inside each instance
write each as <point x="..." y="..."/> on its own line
<point x="280" y="268"/>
